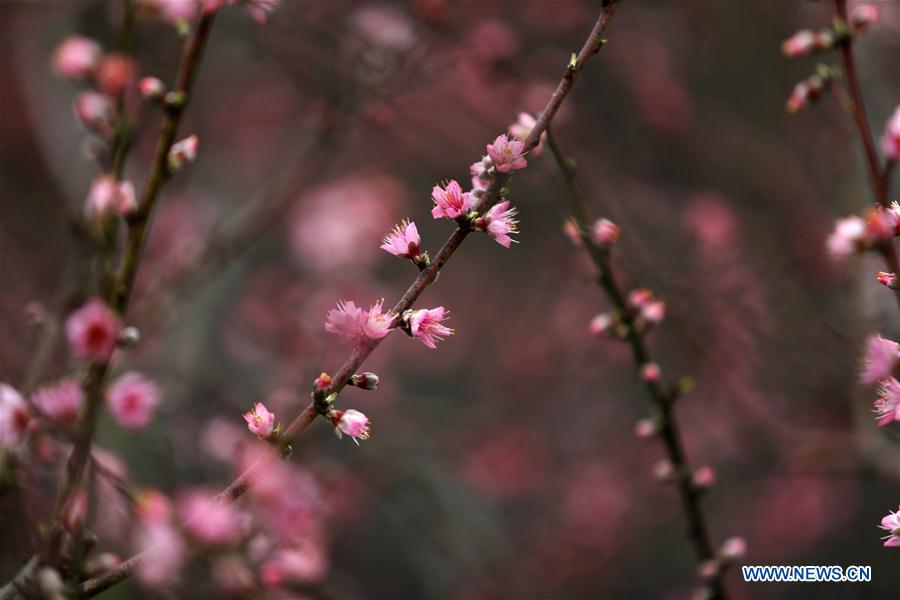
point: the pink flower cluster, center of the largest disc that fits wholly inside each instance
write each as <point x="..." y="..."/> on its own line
<point x="891" y="524"/>
<point x="806" y="41"/>
<point x="60" y="401"/>
<point x="854" y="234"/>
<point x="879" y="361"/>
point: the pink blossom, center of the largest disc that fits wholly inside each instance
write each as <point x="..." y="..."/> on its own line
<point x="208" y="521"/>
<point x="801" y="43"/>
<point x="891" y="524"/>
<point x="862" y="16"/>
<point x="164" y="553"/>
<point x="304" y="561"/>
<point x="347" y="320"/>
<point x="351" y="422"/>
<point x="704" y="477"/>
<point x="605" y="233"/>
<point x="653" y="312"/>
<point x="639" y="297"/>
<point x="115" y="73"/>
<point x="601" y="324"/>
<point x="183" y="152"/>
<point x="879" y="360"/>
<point x="92" y="331"/>
<point x="521" y="129"/>
<point x="849" y="236"/>
<point x="507" y="155"/>
<point x="403" y="240"/>
<point x="426" y="325"/>
<point x="887" y="406"/>
<point x="151" y="88"/>
<point x="322" y="381"/>
<point x="260" y="421"/>
<point x="881" y="225"/>
<point x="132" y="400"/>
<point x="60" y="401"/>
<point x="733" y="549"/>
<point x="76" y="57"/>
<point x="890" y="140"/>
<point x="450" y="202"/>
<point x="498" y="223"/>
<point x="14" y="416"/>
<point x="95" y="111"/>
<point x="480" y="176"/>
<point x="107" y="195"/>
<point x="651" y="372"/>
<point x="174" y="11"/>
<point x="378" y="324"/>
<point x="152" y="506"/>
<point x="888" y="280"/>
<point x="645" y="429"/>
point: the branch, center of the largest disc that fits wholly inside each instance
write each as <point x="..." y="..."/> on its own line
<point x="661" y="398"/>
<point x="427" y="276"/>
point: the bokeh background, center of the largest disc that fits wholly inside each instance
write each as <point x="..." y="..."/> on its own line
<point x="503" y="464"/>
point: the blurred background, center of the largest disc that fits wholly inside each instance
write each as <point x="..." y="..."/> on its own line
<point x="502" y="464"/>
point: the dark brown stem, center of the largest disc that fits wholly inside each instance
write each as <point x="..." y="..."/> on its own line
<point x="423" y="280"/>
<point x="660" y="398"/>
<point x="94" y="381"/>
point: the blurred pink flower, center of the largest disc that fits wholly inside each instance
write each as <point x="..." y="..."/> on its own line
<point x="183" y="152"/>
<point x="378" y="324"/>
<point x="164" y="553"/>
<point x="174" y="11"/>
<point x="891" y="524"/>
<point x="351" y="422"/>
<point x="303" y="561"/>
<point x="653" y="312"/>
<point x="733" y="549"/>
<point x="92" y="331"/>
<point x="260" y="421"/>
<point x="115" y="73"/>
<point x="651" y="372"/>
<point x="801" y="43"/>
<point x="14" y="416"/>
<point x="887" y="279"/>
<point x="605" y="233"/>
<point x="107" y="195"/>
<point x="601" y="324"/>
<point x="507" y="155"/>
<point x="95" y="111"/>
<point x="498" y="223"/>
<point x="890" y="140"/>
<point x="862" y="16"/>
<point x="880" y="358"/>
<point x="208" y="521"/>
<point x="152" y="506"/>
<point x="60" y="401"/>
<point x="132" y="400"/>
<point x="151" y="88"/>
<point x="450" y="201"/>
<point x="403" y="240"/>
<point x="887" y="406"/>
<point x="75" y="511"/>
<point x="425" y="324"/>
<point x="521" y="129"/>
<point x="704" y="477"/>
<point x="76" y="57"/>
<point x="849" y="236"/>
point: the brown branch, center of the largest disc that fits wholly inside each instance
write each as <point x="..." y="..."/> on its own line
<point x="95" y="378"/>
<point x="661" y="398"/>
<point x="427" y="276"/>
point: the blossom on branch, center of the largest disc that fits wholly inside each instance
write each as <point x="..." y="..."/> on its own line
<point x="132" y="400"/>
<point x="498" y="223"/>
<point x="351" y="422"/>
<point x="880" y="358"/>
<point x="403" y="240"/>
<point x="76" y="58"/>
<point x="92" y="331"/>
<point x="60" y="401"/>
<point x="260" y="421"/>
<point x="425" y="324"/>
<point x="450" y="202"/>
<point x="507" y="155"/>
<point x="887" y="405"/>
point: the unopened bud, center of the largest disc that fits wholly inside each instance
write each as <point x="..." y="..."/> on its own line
<point x="888" y="279"/>
<point x="95" y="111"/>
<point x="129" y="337"/>
<point x="366" y="381"/>
<point x="651" y="372"/>
<point x="323" y="381"/>
<point x="183" y="152"/>
<point x="708" y="569"/>
<point x="601" y="324"/>
<point x="663" y="471"/>
<point x="862" y="16"/>
<point x="605" y="233"/>
<point x="733" y="550"/>
<point x="653" y="312"/>
<point x="703" y="478"/>
<point x="152" y="89"/>
<point x="645" y="428"/>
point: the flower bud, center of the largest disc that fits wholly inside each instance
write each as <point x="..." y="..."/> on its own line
<point x="645" y="429"/>
<point x="888" y="280"/>
<point x="96" y="112"/>
<point x="323" y="381"/>
<point x="183" y="152"/>
<point x="862" y="16"/>
<point x="129" y="337"/>
<point x="151" y="89"/>
<point x="366" y="381"/>
<point x="703" y="478"/>
<point x="605" y="233"/>
<point x="76" y="58"/>
<point x="800" y="44"/>
<point x="601" y="324"/>
<point x="115" y="73"/>
<point x="733" y="550"/>
<point x="653" y="312"/>
<point x="708" y="569"/>
<point x="663" y="471"/>
<point x="651" y="372"/>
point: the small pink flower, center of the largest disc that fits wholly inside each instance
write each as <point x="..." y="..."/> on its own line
<point x="403" y="240"/>
<point x="890" y="141"/>
<point x="481" y="178"/>
<point x="76" y="57"/>
<point x="888" y="280"/>
<point x="887" y="406"/>
<point x="302" y="562"/>
<point x="891" y="524"/>
<point x="506" y="155"/>
<point x="96" y="112"/>
<point x="881" y="225"/>
<point x="378" y="324"/>
<point x="733" y="549"/>
<point x="704" y="477"/>
<point x="346" y="320"/>
<point x="800" y="44"/>
<point x="107" y="195"/>
<point x="862" y="16"/>
<point x="663" y="471"/>
<point x="645" y="429"/>
<point x="651" y="372"/>
<point x="639" y="297"/>
<point x="450" y="201"/>
<point x="152" y="506"/>
<point x="132" y="400"/>
<point x="92" y="331"/>
<point x="151" y="88"/>
<point x="601" y="324"/>
<point x="605" y="233"/>
<point x="498" y="223"/>
<point x="807" y="91"/>
<point x="60" y="401"/>
<point x="183" y="152"/>
<point x="115" y="73"/>
<point x="879" y="360"/>
<point x="521" y="129"/>
<point x="849" y="236"/>
<point x="164" y="553"/>
<point x="351" y="422"/>
<point x="14" y="416"/>
<point x="260" y="421"/>
<point x="426" y="325"/>
<point x="798" y="98"/>
<point x="653" y="312"/>
<point x="207" y="521"/>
